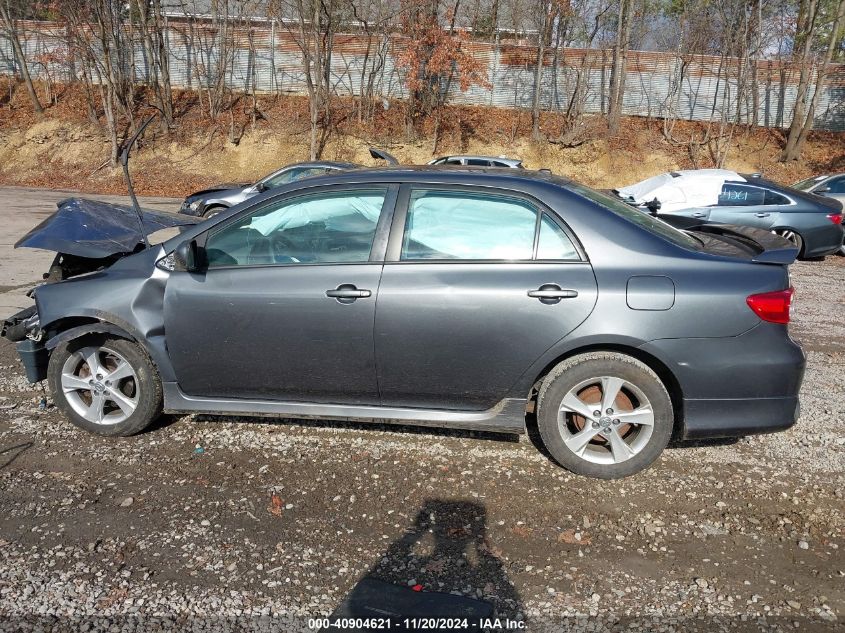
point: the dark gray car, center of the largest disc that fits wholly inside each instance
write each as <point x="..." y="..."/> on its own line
<point x="811" y="222"/>
<point x="472" y="299"/>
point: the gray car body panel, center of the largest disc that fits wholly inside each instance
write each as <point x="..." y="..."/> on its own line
<point x="414" y="341"/>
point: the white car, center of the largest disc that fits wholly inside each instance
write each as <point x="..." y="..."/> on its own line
<point x="683" y="189"/>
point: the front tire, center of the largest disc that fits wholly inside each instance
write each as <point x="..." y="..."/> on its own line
<point x="604" y="415"/>
<point x="105" y="385"/>
<point x="212" y="211"/>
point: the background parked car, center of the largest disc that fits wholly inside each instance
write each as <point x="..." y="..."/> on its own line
<point x="213" y="200"/>
<point x="478" y="161"/>
<point x="829" y="186"/>
<point x="711" y="196"/>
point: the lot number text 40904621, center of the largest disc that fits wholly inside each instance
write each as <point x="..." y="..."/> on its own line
<point x="417" y="624"/>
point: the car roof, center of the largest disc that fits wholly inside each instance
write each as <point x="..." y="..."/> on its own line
<point x="321" y="163"/>
<point x="442" y="174"/>
<point x="501" y="159"/>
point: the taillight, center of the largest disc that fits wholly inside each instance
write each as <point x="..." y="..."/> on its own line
<point x="772" y="306"/>
<point x="836" y="218"/>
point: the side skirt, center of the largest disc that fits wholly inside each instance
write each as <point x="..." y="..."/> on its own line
<point x="507" y="416"/>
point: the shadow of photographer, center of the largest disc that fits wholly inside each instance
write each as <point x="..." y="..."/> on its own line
<point x="443" y="567"/>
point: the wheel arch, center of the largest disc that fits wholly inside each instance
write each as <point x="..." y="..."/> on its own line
<point x="71" y="328"/>
<point x="650" y="360"/>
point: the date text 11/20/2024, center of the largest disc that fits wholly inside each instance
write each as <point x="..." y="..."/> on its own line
<point x="416" y="624"/>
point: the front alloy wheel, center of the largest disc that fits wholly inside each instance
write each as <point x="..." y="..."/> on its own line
<point x="100" y="385"/>
<point x="604" y="414"/>
<point x="105" y="385"/>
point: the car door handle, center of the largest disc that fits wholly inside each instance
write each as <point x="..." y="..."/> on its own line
<point x="699" y="214"/>
<point x="762" y="215"/>
<point x="551" y="293"/>
<point x="347" y="293"/>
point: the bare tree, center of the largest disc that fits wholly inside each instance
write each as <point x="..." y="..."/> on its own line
<point x="618" y="69"/>
<point x="151" y="27"/>
<point x="313" y="29"/>
<point x="549" y="11"/>
<point x="804" y="111"/>
<point x="10" y="12"/>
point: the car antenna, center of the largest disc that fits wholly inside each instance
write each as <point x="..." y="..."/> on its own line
<point x="124" y="160"/>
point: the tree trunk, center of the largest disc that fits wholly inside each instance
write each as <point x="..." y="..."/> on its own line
<point x="10" y="26"/>
<point x="618" y="69"/>
<point x="538" y="88"/>
<point x="805" y="30"/>
<point x="821" y="78"/>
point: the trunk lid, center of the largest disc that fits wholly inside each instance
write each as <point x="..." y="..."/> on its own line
<point x="742" y="242"/>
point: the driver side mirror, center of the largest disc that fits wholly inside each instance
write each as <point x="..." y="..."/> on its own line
<point x="824" y="189"/>
<point x="187" y="257"/>
<point x="260" y="187"/>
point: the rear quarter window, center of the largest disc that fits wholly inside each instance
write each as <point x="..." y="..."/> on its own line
<point x="640" y="218"/>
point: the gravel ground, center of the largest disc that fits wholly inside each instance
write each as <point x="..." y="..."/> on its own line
<point x="227" y="523"/>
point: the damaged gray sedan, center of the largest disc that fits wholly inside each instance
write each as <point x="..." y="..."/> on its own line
<point x="478" y="299"/>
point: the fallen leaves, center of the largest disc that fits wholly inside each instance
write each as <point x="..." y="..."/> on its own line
<point x="573" y="537"/>
<point x="276" y="505"/>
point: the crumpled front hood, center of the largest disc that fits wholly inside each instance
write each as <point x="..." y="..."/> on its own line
<point x="88" y="228"/>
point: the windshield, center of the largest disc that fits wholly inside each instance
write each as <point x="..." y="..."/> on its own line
<point x="806" y="185"/>
<point x="640" y="218"/>
<point x="638" y="191"/>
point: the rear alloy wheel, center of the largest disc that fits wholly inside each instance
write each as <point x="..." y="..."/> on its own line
<point x="107" y="386"/>
<point x="604" y="415"/>
<point x="792" y="236"/>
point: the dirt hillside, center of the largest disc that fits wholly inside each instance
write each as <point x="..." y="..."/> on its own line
<point x="64" y="149"/>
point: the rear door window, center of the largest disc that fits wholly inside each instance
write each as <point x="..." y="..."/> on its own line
<point x="473" y="226"/>
<point x="456" y="225"/>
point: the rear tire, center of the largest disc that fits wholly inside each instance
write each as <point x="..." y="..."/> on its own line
<point x="634" y="422"/>
<point x="105" y="385"/>
<point x="794" y="237"/>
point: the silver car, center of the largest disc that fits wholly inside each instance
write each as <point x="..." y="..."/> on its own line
<point x="478" y="161"/>
<point x="213" y="200"/>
